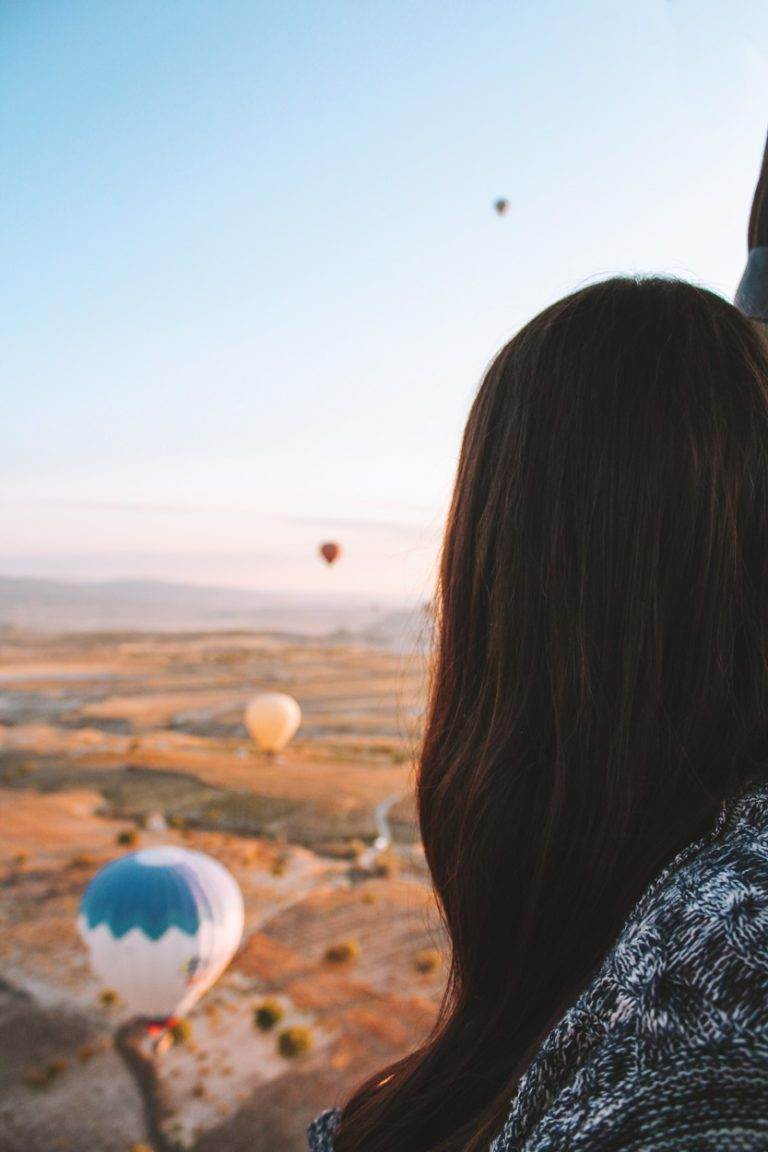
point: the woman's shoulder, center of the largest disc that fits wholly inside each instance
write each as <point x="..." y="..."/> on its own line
<point x="668" y="1044"/>
<point x="693" y="959"/>
<point x="322" y="1130"/>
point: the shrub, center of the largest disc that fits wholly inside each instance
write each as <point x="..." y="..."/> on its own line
<point x="342" y="952"/>
<point x="180" y="1031"/>
<point x="267" y="1014"/>
<point x="385" y="865"/>
<point x="428" y="960"/>
<point x="279" y="865"/>
<point x="41" y="1075"/>
<point x="368" y="897"/>
<point x="82" y="860"/>
<point x="127" y="838"/>
<point x="198" y="1090"/>
<point x="294" y="1041"/>
<point x="36" y="1076"/>
<point x="108" y="997"/>
<point x="20" y="859"/>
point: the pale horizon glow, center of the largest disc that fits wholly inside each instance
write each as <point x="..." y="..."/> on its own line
<point x="252" y="274"/>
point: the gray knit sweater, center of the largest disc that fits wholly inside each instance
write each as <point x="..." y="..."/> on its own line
<point x="666" y="1050"/>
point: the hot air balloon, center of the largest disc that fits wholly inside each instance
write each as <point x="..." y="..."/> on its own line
<point x="330" y="551"/>
<point x="161" y="925"/>
<point x="272" y="720"/>
<point x="501" y="206"/>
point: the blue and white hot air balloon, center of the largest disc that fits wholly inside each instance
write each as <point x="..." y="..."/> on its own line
<point x="161" y="925"/>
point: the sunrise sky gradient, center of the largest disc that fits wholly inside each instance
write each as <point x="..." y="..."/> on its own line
<point x="251" y="274"/>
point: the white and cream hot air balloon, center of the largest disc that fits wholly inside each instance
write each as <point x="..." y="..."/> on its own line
<point x="272" y="719"/>
<point x="161" y="925"/>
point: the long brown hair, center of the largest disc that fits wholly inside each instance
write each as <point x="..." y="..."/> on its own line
<point x="601" y="674"/>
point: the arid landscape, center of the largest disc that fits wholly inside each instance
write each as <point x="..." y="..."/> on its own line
<point x="116" y="740"/>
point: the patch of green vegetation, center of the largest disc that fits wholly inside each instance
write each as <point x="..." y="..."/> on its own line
<point x="16" y="768"/>
<point x="43" y="1075"/>
<point x="295" y="1041"/>
<point x="267" y="1014"/>
<point x="344" y="849"/>
<point x="385" y="865"/>
<point x="240" y="812"/>
<point x="343" y="952"/>
<point x="180" y="1031"/>
<point x="427" y="960"/>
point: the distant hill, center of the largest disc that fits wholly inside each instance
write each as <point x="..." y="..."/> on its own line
<point x="152" y="606"/>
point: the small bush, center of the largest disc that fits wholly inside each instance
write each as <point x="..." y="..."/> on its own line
<point x="108" y="997"/>
<point x="177" y="822"/>
<point x="127" y="838"/>
<point x="41" y="1075"/>
<point x="294" y="1041"/>
<point x="36" y="1076"/>
<point x="385" y="866"/>
<point x="267" y="1014"/>
<point x="343" y="952"/>
<point x="279" y="865"/>
<point x="180" y="1031"/>
<point x="368" y="897"/>
<point x="82" y="860"/>
<point x="198" y="1090"/>
<point x="428" y="960"/>
<point x="141" y="1148"/>
<point x="20" y="859"/>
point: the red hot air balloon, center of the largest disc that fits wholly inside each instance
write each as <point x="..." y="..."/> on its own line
<point x="330" y="551"/>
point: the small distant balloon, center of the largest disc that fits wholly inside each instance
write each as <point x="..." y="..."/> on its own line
<point x="272" y="720"/>
<point x="161" y="925"/>
<point x="330" y="551"/>
<point x="501" y="206"/>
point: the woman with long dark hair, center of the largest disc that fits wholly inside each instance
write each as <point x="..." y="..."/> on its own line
<point x="593" y="781"/>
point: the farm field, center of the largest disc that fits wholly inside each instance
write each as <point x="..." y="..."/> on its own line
<point x="110" y="741"/>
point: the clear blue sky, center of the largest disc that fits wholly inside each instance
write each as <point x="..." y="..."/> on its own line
<point x="250" y="271"/>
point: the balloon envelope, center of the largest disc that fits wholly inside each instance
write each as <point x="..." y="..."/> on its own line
<point x="272" y="720"/>
<point x="330" y="551"/>
<point x="161" y="925"/>
<point x="501" y="206"/>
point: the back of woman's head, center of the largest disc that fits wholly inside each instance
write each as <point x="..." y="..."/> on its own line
<point x="601" y="671"/>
